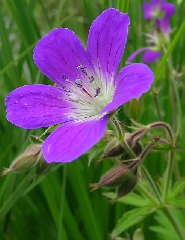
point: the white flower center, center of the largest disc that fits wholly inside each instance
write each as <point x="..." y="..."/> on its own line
<point x="88" y="95"/>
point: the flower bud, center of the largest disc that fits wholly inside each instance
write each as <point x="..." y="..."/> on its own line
<point x="28" y="159"/>
<point x="113" y="149"/>
<point x="134" y="108"/>
<point x="117" y="176"/>
<point x="127" y="185"/>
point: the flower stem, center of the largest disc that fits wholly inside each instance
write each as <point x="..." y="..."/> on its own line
<point x="152" y="184"/>
<point x="117" y="128"/>
<point x="147" y="176"/>
<point x="157" y="105"/>
<point x="166" y="126"/>
<point x="168" y="173"/>
<point x="171" y="158"/>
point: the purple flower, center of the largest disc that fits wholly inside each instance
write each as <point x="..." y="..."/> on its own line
<point x="161" y="12"/>
<point x="151" y="53"/>
<point x="88" y="86"/>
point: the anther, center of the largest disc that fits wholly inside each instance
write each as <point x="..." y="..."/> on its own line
<point x="78" y="83"/>
<point x="66" y="89"/>
<point x="97" y="92"/>
<point x="91" y="78"/>
<point x="82" y="68"/>
<point x="64" y="77"/>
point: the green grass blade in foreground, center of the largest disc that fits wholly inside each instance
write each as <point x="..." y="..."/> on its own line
<point x="13" y="198"/>
<point x="123" y="5"/>
<point x="78" y="182"/>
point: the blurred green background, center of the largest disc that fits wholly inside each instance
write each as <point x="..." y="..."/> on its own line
<point x="59" y="205"/>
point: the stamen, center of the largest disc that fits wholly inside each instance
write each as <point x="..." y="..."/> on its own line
<point x="91" y="78"/>
<point x="97" y="92"/>
<point x="66" y="89"/>
<point x="83" y="69"/>
<point x="64" y="77"/>
<point x="79" y="83"/>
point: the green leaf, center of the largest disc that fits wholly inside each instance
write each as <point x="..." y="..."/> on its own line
<point x="164" y="227"/>
<point x="177" y="202"/>
<point x="138" y="234"/>
<point x="131" y="199"/>
<point x="131" y="218"/>
<point x="164" y="233"/>
<point x="177" y="188"/>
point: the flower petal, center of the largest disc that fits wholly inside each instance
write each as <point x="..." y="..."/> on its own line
<point x="168" y="8"/>
<point x="59" y="53"/>
<point x="134" y="54"/>
<point x="106" y="41"/>
<point x="164" y="24"/>
<point x="71" y="140"/>
<point x="36" y="106"/>
<point x="148" y="10"/>
<point x="132" y="81"/>
<point x="150" y="56"/>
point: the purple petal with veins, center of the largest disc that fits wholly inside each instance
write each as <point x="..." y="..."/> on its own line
<point x="71" y="140"/>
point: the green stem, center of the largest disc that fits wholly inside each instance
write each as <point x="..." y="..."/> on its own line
<point x="174" y="222"/>
<point x="147" y="176"/>
<point x="168" y="173"/>
<point x="163" y="125"/>
<point x="152" y="184"/>
<point x="157" y="105"/>
<point x="176" y="96"/>
<point x="117" y="128"/>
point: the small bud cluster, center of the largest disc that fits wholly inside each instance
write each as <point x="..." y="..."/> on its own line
<point x="124" y="174"/>
<point x="30" y="158"/>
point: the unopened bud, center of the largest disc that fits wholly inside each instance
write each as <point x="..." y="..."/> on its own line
<point x="115" y="177"/>
<point x="113" y="149"/>
<point x="28" y="159"/>
<point x="137" y="149"/>
<point x="127" y="185"/>
<point x="134" y="108"/>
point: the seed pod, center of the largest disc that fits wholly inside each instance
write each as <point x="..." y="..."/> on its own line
<point x="134" y="108"/>
<point x="113" y="149"/>
<point x="127" y="185"/>
<point x="115" y="177"/>
<point x="29" y="158"/>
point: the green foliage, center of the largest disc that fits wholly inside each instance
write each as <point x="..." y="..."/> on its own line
<point x="59" y="205"/>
